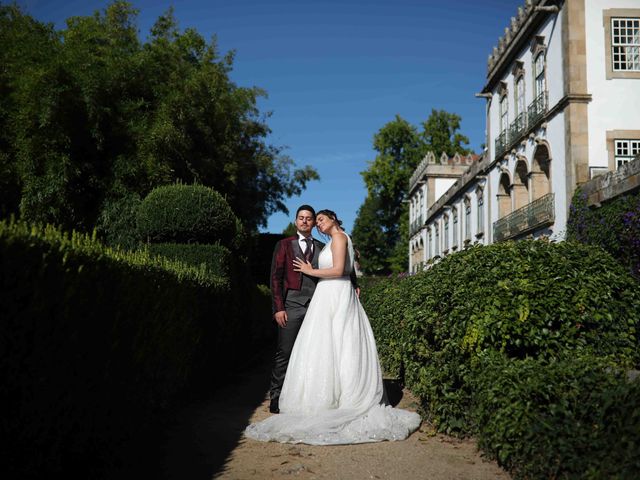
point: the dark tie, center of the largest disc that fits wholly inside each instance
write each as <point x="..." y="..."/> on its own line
<point x="308" y="253"/>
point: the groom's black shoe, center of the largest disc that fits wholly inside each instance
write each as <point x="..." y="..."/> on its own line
<point x="273" y="406"/>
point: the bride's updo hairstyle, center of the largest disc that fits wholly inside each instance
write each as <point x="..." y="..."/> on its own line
<point x="332" y="215"/>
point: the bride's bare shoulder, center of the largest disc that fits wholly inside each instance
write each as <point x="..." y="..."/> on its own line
<point x="339" y="237"/>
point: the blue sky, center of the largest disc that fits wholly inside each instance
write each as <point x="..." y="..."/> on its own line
<point x="337" y="71"/>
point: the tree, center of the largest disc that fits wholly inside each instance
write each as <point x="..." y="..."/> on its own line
<point x="381" y="226"/>
<point x="440" y="133"/>
<point x="24" y="45"/>
<point x="377" y="229"/>
<point x="289" y="230"/>
<point x="102" y="118"/>
<point x="370" y="239"/>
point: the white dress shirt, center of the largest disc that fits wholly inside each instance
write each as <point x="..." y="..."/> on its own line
<point x="302" y="243"/>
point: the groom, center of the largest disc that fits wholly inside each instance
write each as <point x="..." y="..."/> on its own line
<point x="291" y="293"/>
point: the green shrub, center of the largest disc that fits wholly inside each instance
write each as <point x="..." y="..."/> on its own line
<point x="523" y="299"/>
<point x="615" y="226"/>
<point x="117" y="222"/>
<point x="187" y="214"/>
<point x="577" y="417"/>
<point x="214" y="258"/>
<point x="386" y="299"/>
<point x="96" y="342"/>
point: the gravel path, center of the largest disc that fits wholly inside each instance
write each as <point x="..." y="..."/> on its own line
<point x="205" y="441"/>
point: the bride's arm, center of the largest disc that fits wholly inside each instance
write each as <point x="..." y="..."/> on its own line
<point x="339" y="252"/>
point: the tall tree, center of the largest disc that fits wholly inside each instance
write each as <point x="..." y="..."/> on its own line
<point x="104" y="118"/>
<point x="377" y="228"/>
<point x="381" y="227"/>
<point x="370" y="239"/>
<point x="440" y="133"/>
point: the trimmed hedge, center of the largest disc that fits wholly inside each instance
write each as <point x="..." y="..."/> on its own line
<point x="576" y="417"/>
<point x="216" y="259"/>
<point x="615" y="226"/>
<point x="187" y="214"/>
<point x="96" y="342"/>
<point x="523" y="299"/>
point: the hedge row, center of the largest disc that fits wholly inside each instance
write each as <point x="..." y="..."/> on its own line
<point x="96" y="342"/>
<point x="614" y="226"/>
<point x="215" y="259"/>
<point x="521" y="300"/>
<point x="575" y="417"/>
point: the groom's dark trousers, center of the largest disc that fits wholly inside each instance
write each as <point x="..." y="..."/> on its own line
<point x="290" y="291"/>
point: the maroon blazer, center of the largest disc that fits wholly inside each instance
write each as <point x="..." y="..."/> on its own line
<point x="283" y="277"/>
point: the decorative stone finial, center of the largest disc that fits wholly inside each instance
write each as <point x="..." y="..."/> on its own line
<point x="431" y="158"/>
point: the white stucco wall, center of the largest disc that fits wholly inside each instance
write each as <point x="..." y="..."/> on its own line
<point x="442" y="185"/>
<point x="551" y="29"/>
<point x="616" y="102"/>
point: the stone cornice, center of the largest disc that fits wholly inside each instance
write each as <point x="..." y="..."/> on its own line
<point x="472" y="174"/>
<point x="442" y="167"/>
<point x="516" y="36"/>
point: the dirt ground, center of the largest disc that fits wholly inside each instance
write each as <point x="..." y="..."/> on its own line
<point x="204" y="441"/>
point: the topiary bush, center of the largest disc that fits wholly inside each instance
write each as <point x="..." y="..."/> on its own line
<point x="574" y="417"/>
<point x="188" y="214"/>
<point x="524" y="299"/>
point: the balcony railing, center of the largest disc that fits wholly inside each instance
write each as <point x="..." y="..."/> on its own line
<point x="537" y="108"/>
<point x="518" y="127"/>
<point x="416" y="225"/>
<point x="539" y="213"/>
<point x="501" y="143"/>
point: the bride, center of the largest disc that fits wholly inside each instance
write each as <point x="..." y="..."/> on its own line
<point x="332" y="392"/>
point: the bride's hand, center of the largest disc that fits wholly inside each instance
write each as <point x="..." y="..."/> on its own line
<point x="301" y="266"/>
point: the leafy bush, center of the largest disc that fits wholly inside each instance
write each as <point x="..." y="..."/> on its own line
<point x="97" y="341"/>
<point x="577" y="417"/>
<point x="187" y="214"/>
<point x="523" y="299"/>
<point x="215" y="258"/>
<point x="615" y="226"/>
<point x="117" y="222"/>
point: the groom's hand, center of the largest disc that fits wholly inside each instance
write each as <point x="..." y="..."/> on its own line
<point x="281" y="318"/>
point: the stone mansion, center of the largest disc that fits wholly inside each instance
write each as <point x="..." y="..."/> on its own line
<point x="562" y="98"/>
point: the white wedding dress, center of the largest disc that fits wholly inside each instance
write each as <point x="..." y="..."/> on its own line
<point x="332" y="392"/>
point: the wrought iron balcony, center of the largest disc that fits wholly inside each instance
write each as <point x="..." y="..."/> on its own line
<point x="539" y="213"/>
<point x="537" y="108"/>
<point x="518" y="127"/>
<point x="416" y="225"/>
<point x="501" y="143"/>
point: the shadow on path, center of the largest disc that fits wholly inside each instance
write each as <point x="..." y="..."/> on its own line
<point x="194" y="442"/>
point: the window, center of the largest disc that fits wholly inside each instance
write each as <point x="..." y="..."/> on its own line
<point x="538" y="71"/>
<point x="446" y="233"/>
<point x="625" y="151"/>
<point x="625" y="44"/>
<point x="520" y="106"/>
<point x="430" y="246"/>
<point x="437" y="241"/>
<point x="455" y="226"/>
<point x="467" y="219"/>
<point x="504" y="113"/>
<point x="480" y="211"/>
